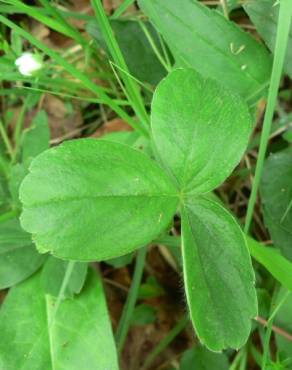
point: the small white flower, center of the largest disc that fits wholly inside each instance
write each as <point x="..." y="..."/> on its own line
<point x="29" y="63"/>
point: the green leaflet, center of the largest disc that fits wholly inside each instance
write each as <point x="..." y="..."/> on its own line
<point x="18" y="256"/>
<point x="203" y="39"/>
<point x="199" y="358"/>
<point x="99" y="200"/>
<point x="80" y="336"/>
<point x="218" y="275"/>
<point x="276" y="194"/>
<point x="194" y="121"/>
<point x="53" y="274"/>
<point x="264" y="15"/>
<point x="102" y="199"/>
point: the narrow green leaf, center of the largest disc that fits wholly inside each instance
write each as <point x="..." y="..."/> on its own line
<point x="100" y="200"/>
<point x="219" y="279"/>
<point x="264" y="15"/>
<point x="80" y="336"/>
<point x="276" y="195"/>
<point x="216" y="47"/>
<point x="200" y="130"/>
<point x="53" y="274"/>
<point x="18" y="256"/>
<point x="273" y="261"/>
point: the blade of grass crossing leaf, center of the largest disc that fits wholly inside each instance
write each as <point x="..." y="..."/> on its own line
<point x="154" y="47"/>
<point x="76" y="73"/>
<point x="65" y="281"/>
<point x="127" y="313"/>
<point x="122" y="8"/>
<point x="280" y="50"/>
<point x="131" y="87"/>
<point x="268" y="333"/>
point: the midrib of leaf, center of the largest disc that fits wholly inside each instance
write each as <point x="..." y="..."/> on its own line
<point x="220" y="51"/>
<point x="49" y="328"/>
<point x="204" y="275"/>
<point x="97" y="197"/>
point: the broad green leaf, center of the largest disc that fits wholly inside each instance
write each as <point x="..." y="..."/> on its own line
<point x="200" y="130"/>
<point x="264" y="15"/>
<point x="137" y="51"/>
<point x="218" y="275"/>
<point x="273" y="261"/>
<point x="217" y="48"/>
<point x="18" y="256"/>
<point x="99" y="200"/>
<point x="199" y="358"/>
<point x="276" y="195"/>
<point x="36" y="138"/>
<point x="79" y="338"/>
<point x="53" y="274"/>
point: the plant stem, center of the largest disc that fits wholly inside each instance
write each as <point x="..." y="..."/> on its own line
<point x="165" y="341"/>
<point x="6" y="139"/>
<point x="280" y="49"/>
<point x="269" y="330"/>
<point x="129" y="306"/>
<point x="225" y="8"/>
<point x="68" y="273"/>
<point x="122" y="8"/>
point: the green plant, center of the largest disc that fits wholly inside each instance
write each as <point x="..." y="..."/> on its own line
<point x="190" y="83"/>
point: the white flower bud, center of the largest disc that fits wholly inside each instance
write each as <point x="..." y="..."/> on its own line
<point x="29" y="63"/>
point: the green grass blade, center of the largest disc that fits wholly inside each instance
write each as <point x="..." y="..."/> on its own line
<point x="125" y="320"/>
<point x="122" y="8"/>
<point x="76" y="73"/>
<point x="280" y="50"/>
<point x="131" y="86"/>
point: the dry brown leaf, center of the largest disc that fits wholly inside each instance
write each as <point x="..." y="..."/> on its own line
<point x="115" y="125"/>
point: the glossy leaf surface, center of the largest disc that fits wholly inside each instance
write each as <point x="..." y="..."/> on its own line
<point x="200" y="130"/>
<point x="218" y="275"/>
<point x="204" y="40"/>
<point x="80" y="336"/>
<point x="94" y="200"/>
